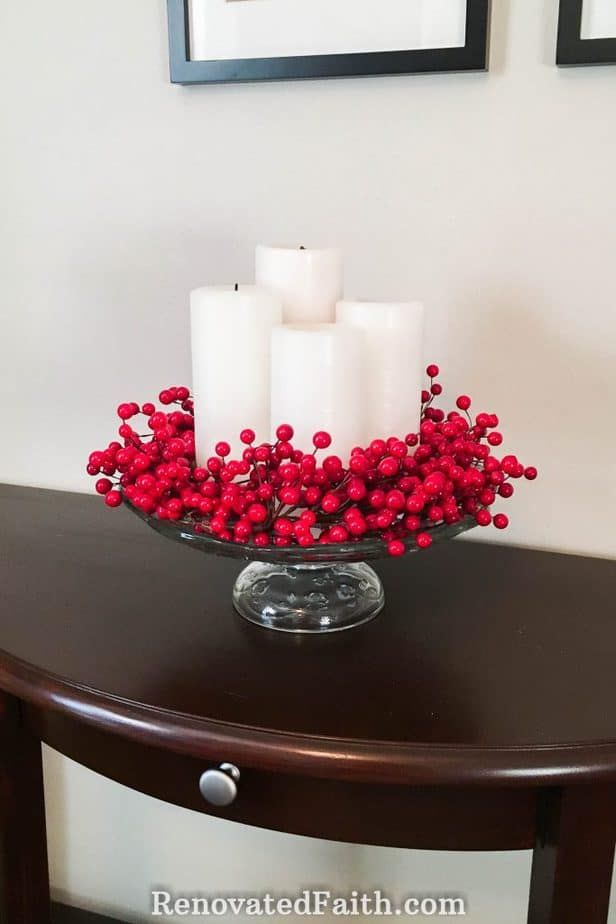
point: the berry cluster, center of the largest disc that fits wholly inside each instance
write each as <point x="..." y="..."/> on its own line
<point x="278" y="494"/>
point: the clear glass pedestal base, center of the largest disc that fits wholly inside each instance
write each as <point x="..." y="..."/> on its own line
<point x="319" y="588"/>
<point x="305" y="598"/>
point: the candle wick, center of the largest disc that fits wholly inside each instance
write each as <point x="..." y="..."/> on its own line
<point x="237" y="287"/>
<point x="302" y="248"/>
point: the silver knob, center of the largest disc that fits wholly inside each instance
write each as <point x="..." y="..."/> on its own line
<point x="219" y="787"/>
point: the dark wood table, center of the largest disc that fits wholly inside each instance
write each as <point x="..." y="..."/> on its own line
<point x="477" y="712"/>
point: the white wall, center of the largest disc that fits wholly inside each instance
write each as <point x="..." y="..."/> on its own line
<point x="492" y="197"/>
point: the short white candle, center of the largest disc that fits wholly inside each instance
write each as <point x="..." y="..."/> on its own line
<point x="309" y="282"/>
<point x="315" y="377"/>
<point x="231" y="334"/>
<point x="392" y="352"/>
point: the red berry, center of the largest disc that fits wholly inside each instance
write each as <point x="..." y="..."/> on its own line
<point x="242" y="530"/>
<point x="506" y="489"/>
<point x="247" y="437"/>
<point x="330" y="503"/>
<point x="222" y="449"/>
<point x="165" y="397"/>
<point x="423" y="540"/>
<point x="283" y="526"/>
<point x="509" y="465"/>
<point x="332" y="466"/>
<point x="307" y="465"/>
<point x="385" y="518"/>
<point x="305" y="538"/>
<point x="313" y="495"/>
<point x="148" y="409"/>
<point x="357" y="526"/>
<point x="308" y="517"/>
<point x="483" y="517"/>
<point x="388" y="467"/>
<point x="285" y="433"/>
<point x="284" y="450"/>
<point x="395" y="500"/>
<point x="257" y="513"/>
<point x="463" y="402"/>
<point x="412" y="522"/>
<point x="125" y="456"/>
<point x="530" y="473"/>
<point x="396" y="548"/>
<point x="359" y="464"/>
<point x="158" y="420"/>
<point x="435" y="513"/>
<point x="147" y="483"/>
<point x="436" y="389"/>
<point x="176" y="447"/>
<point x="182" y="393"/>
<point x="415" y="503"/>
<point x="356" y="489"/>
<point x="432" y="370"/>
<point x="339" y="534"/>
<point x="398" y="449"/>
<point x="321" y="440"/>
<point x="487" y="497"/>
<point x="495" y="438"/>
<point x="501" y="521"/>
<point x="103" y="486"/>
<point x="113" y="498"/>
<point x="289" y="495"/>
<point x="175" y="506"/>
<point x="265" y="492"/>
<point x="434" y="484"/>
<point x="261" y="539"/>
<point x="125" y="411"/>
<point x="289" y="472"/>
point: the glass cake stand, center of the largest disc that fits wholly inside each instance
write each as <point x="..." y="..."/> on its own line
<point x="319" y="588"/>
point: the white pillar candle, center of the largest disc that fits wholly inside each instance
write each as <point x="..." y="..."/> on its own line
<point x="315" y="384"/>
<point x="392" y="356"/>
<point x="231" y="333"/>
<point x="309" y="282"/>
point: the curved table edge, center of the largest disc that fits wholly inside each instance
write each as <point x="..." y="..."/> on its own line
<point x="330" y="758"/>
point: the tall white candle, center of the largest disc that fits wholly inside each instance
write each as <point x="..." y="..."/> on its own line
<point x="231" y="334"/>
<point x="392" y="356"/>
<point x="309" y="282"/>
<point x="315" y="378"/>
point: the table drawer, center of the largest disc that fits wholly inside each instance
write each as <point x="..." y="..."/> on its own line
<point x="435" y="818"/>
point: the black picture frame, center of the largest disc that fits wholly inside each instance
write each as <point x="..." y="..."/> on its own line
<point x="572" y="50"/>
<point x="473" y="56"/>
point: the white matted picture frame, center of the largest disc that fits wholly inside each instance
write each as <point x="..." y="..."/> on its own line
<point x="586" y="32"/>
<point x="224" y="41"/>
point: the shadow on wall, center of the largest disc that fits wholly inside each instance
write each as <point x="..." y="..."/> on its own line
<point x="568" y="402"/>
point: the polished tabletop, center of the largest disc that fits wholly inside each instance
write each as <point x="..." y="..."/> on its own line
<point x="487" y="662"/>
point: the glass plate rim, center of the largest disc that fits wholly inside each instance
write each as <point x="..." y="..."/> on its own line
<point x="362" y="550"/>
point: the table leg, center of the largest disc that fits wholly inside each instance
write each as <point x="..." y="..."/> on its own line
<point x="574" y="855"/>
<point x="24" y="877"/>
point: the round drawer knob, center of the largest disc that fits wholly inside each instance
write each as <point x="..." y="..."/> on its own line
<point x="219" y="787"/>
